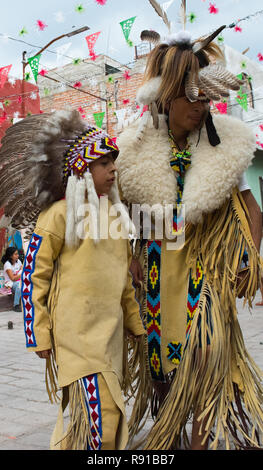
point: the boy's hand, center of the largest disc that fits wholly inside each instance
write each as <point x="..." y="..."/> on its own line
<point x="44" y="354"/>
<point x="134" y="337"/>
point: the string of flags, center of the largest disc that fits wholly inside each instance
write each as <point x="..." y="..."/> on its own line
<point x="126" y="27"/>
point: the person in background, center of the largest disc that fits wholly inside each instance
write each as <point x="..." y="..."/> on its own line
<point x="12" y="274"/>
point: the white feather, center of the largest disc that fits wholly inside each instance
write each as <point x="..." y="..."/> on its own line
<point x="124" y="214"/>
<point x="70" y="235"/>
<point x="94" y="203"/>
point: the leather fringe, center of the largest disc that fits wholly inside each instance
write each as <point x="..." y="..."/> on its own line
<point x="51" y="379"/>
<point x="140" y="391"/>
<point x="78" y="435"/>
<point x="216" y="374"/>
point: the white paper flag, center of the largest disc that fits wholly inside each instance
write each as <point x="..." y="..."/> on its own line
<point x="120" y="113"/>
<point x="62" y="50"/>
<point x="166" y="5"/>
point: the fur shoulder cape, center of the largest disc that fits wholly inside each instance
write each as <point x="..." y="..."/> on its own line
<point x="145" y="175"/>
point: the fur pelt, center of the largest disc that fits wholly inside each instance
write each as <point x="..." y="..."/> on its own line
<point x="145" y="175"/>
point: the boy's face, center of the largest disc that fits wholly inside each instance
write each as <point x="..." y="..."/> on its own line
<point x="103" y="173"/>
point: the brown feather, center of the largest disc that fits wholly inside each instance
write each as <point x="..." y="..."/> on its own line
<point x="161" y="13"/>
<point x="183" y="12"/>
<point x="150" y="36"/>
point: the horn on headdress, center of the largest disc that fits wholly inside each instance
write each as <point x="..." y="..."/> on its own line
<point x="198" y="46"/>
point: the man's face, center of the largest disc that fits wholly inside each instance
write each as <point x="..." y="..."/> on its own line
<point x="103" y="173"/>
<point x="186" y="115"/>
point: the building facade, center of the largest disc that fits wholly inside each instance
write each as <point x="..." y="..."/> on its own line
<point x="94" y="87"/>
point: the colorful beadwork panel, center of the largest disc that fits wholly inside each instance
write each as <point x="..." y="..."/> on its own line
<point x="27" y="289"/>
<point x="194" y="291"/>
<point x="92" y="397"/>
<point x="153" y="324"/>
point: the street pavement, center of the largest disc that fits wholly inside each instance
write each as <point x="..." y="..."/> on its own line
<point x="27" y="418"/>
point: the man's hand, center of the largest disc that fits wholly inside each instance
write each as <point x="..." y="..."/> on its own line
<point x="136" y="272"/>
<point x="44" y="354"/>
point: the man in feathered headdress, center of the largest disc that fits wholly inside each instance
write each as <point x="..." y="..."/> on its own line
<point x="178" y="155"/>
<point x="76" y="287"/>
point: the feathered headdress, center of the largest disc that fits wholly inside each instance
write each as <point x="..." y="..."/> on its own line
<point x="45" y="158"/>
<point x="197" y="73"/>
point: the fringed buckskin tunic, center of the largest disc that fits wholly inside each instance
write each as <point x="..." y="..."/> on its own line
<point x="78" y="302"/>
<point x="189" y="296"/>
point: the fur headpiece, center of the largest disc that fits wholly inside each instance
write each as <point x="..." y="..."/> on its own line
<point x="213" y="80"/>
<point x="46" y="157"/>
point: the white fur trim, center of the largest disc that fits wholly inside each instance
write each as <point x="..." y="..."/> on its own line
<point x="215" y="171"/>
<point x="142" y="125"/>
<point x="144" y="167"/>
<point x="148" y="92"/>
<point x="146" y="177"/>
<point x="182" y="37"/>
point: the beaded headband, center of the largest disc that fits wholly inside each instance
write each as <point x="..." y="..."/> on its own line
<point x="92" y="144"/>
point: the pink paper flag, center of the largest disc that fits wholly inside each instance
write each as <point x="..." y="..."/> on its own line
<point x="3" y="118"/>
<point x="222" y="108"/>
<point x="126" y="75"/>
<point x="91" y="39"/>
<point x="43" y="72"/>
<point x="4" y="71"/>
<point x="77" y="85"/>
<point x="212" y="8"/>
<point x="41" y="25"/>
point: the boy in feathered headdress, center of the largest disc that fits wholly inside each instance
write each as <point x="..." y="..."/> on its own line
<point x="196" y="361"/>
<point x="76" y="287"/>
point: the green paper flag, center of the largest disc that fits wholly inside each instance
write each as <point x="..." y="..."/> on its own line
<point x="220" y="39"/>
<point x="98" y="118"/>
<point x="242" y="100"/>
<point x="126" y="29"/>
<point x="34" y="63"/>
<point x="192" y="17"/>
<point x="27" y="76"/>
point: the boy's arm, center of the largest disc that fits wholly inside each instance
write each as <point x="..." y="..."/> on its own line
<point x="43" y="250"/>
<point x="130" y="306"/>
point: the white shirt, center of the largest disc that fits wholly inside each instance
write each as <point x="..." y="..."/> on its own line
<point x="243" y="184"/>
<point x="15" y="268"/>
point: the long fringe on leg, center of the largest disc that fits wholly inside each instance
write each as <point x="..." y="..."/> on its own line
<point x="220" y="378"/>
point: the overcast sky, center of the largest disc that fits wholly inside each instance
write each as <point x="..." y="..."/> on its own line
<point x="60" y="17"/>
